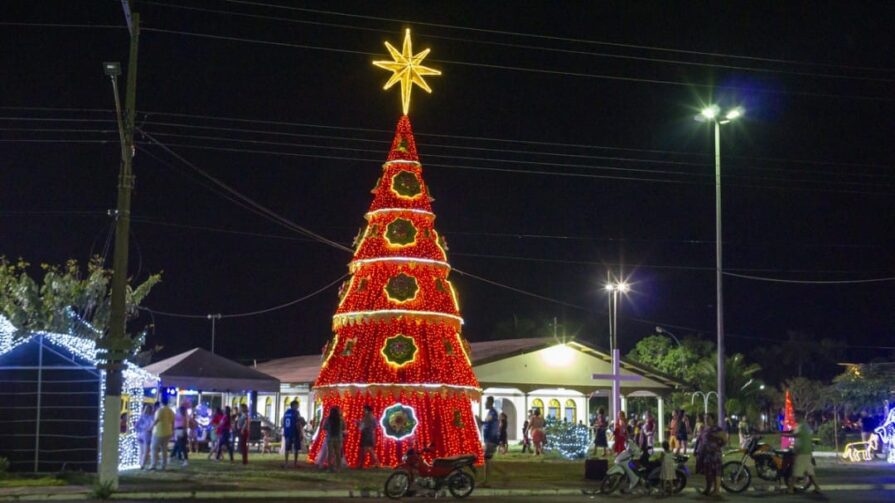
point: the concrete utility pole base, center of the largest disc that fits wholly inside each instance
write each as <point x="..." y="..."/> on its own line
<point x="108" y="467"/>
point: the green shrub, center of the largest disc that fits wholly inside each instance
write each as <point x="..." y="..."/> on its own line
<point x="827" y="431"/>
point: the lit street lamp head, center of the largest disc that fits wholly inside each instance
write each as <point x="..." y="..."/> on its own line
<point x="710" y="112"/>
<point x="734" y="114"/>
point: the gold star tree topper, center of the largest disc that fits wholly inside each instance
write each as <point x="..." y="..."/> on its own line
<point x="406" y="68"/>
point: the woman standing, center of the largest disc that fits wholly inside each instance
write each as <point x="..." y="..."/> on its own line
<point x="538" y="435"/>
<point x="600" y="424"/>
<point x="620" y="433"/>
<point x="242" y="429"/>
<point x="334" y="426"/>
<point x="223" y="429"/>
<point x="144" y="434"/>
<point x="367" y="429"/>
<point x="214" y="440"/>
<point x="682" y="432"/>
<point x="502" y="443"/>
<point x="526" y="438"/>
<point x="708" y="459"/>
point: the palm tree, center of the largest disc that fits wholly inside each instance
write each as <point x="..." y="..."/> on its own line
<point x="742" y="385"/>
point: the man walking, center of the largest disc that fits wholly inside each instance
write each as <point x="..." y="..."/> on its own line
<point x="293" y="428"/>
<point x="803" y="448"/>
<point x="490" y="434"/>
<point x="162" y="429"/>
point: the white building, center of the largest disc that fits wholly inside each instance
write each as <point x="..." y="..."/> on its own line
<point x="520" y="374"/>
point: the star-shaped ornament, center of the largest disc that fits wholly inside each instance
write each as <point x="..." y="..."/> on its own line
<point x="407" y="69"/>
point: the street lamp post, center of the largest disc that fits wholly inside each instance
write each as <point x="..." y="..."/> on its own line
<point x="662" y="331"/>
<point x="713" y="114"/>
<point x="614" y="288"/>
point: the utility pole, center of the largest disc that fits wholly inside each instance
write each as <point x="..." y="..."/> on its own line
<point x="213" y="318"/>
<point x="115" y="345"/>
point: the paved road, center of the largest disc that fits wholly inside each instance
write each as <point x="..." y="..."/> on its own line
<point x="690" y="496"/>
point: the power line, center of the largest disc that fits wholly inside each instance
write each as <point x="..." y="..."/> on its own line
<point x="437" y="135"/>
<point x="522" y="161"/>
<point x="525" y="46"/>
<point x="542" y="71"/>
<point x="274" y="216"/>
<point x="812" y="282"/>
<point x="532" y="172"/>
<point x="250" y="313"/>
<point x="557" y="38"/>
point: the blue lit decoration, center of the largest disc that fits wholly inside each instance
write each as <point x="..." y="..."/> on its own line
<point x="886" y="433"/>
<point x="399" y="421"/>
<point x="570" y="440"/>
<point x="134" y="380"/>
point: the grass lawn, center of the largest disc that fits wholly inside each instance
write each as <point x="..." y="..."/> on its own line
<point x="265" y="472"/>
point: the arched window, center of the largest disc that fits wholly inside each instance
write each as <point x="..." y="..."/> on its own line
<point x="268" y="407"/>
<point x="571" y="412"/>
<point x="553" y="409"/>
<point x="539" y="405"/>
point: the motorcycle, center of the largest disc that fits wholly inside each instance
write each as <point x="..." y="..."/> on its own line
<point x="415" y="474"/>
<point x="629" y="466"/>
<point x="624" y="469"/>
<point x="770" y="464"/>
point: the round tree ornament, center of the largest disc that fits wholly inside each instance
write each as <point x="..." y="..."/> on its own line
<point x="398" y="421"/>
<point x="406" y="184"/>
<point x="401" y="288"/>
<point x="400" y="232"/>
<point x="399" y="350"/>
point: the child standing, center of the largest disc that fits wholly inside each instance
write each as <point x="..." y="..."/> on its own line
<point x="669" y="467"/>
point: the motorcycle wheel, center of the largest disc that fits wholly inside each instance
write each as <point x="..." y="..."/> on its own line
<point x="460" y="484"/>
<point x="397" y="484"/>
<point x="611" y="483"/>
<point x="733" y="478"/>
<point x="680" y="481"/>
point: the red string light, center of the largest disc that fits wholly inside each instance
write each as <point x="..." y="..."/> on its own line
<point x="438" y="381"/>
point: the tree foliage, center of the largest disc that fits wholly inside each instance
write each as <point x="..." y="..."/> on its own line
<point x="663" y="354"/>
<point x="808" y="396"/>
<point x="866" y="386"/>
<point x="66" y="299"/>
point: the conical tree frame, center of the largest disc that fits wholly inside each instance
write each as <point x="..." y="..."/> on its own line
<point x="398" y="345"/>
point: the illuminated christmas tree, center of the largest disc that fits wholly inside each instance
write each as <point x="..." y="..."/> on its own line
<point x="789" y="422"/>
<point x="397" y="343"/>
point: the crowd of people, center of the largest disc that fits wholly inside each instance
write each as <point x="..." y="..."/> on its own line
<point x="159" y="425"/>
<point x="709" y="441"/>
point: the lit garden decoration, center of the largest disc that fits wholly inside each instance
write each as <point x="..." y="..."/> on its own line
<point x="570" y="440"/>
<point x="84" y="350"/>
<point x="397" y="344"/>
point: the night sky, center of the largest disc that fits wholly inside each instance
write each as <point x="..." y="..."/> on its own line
<point x="551" y="157"/>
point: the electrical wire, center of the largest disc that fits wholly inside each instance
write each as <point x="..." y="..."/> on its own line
<point x="542" y="71"/>
<point x="249" y="313"/>
<point x="523" y="46"/>
<point x="811" y="282"/>
<point x="262" y="209"/>
<point x="556" y="38"/>
<point x="436" y="135"/>
<point x="526" y="162"/>
<point x="535" y="172"/>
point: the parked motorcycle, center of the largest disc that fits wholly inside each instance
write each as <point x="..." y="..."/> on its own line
<point x="625" y="473"/>
<point x="770" y="464"/>
<point x="414" y="474"/>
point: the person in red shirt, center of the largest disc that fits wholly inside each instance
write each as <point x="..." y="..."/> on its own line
<point x="223" y="431"/>
<point x="214" y="440"/>
<point x="620" y="433"/>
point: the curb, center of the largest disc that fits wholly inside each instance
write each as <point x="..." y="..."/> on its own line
<point x="348" y="493"/>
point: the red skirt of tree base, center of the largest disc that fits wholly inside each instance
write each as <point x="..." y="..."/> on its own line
<point x="445" y="421"/>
